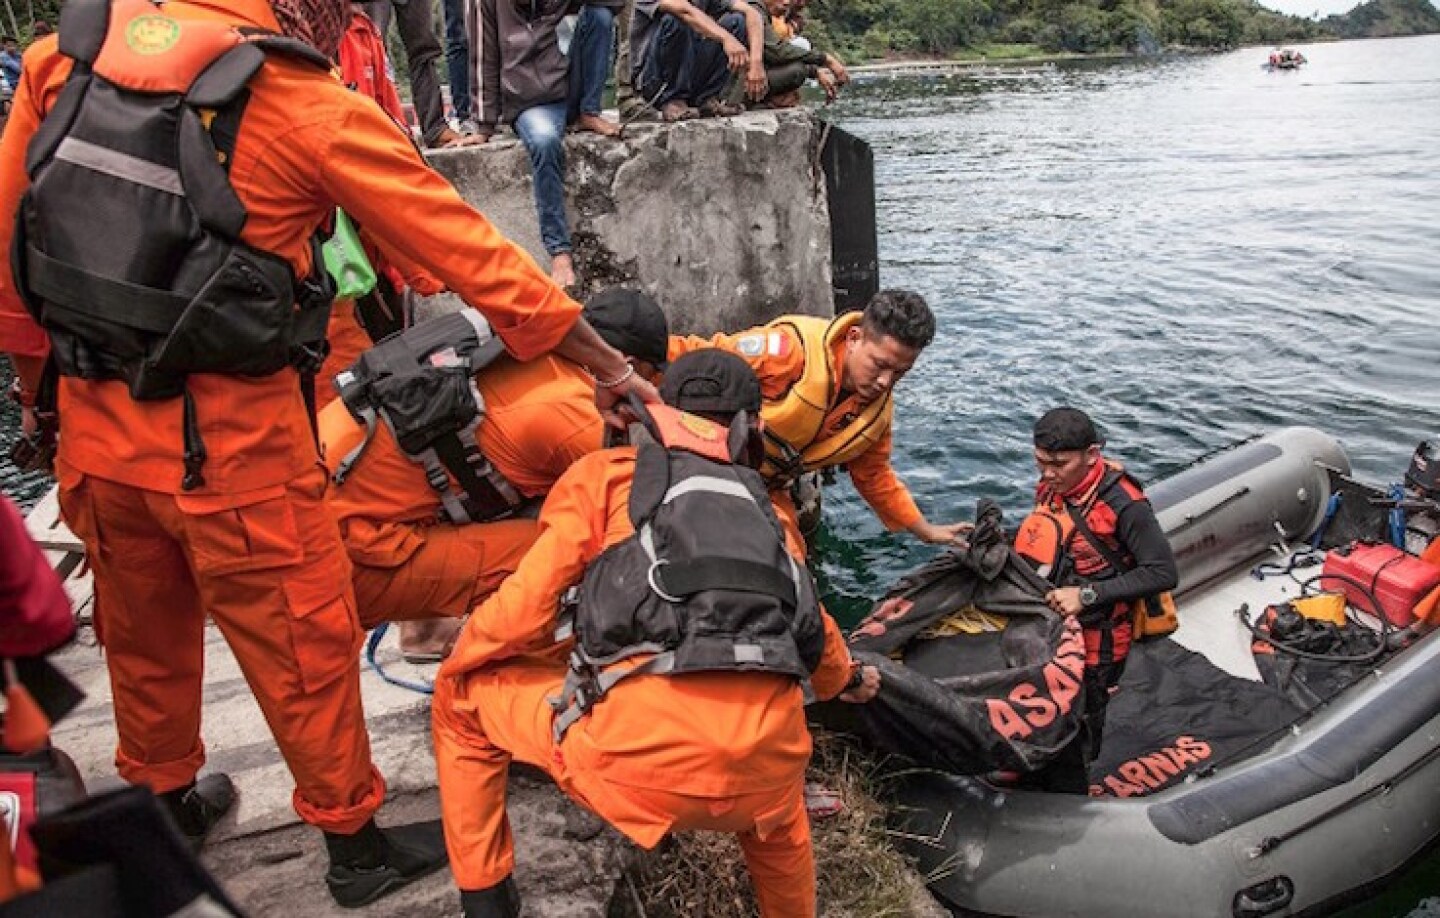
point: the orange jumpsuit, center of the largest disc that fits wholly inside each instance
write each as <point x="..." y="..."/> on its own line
<point x="721" y="751"/>
<point x="779" y="366"/>
<point x="539" y="418"/>
<point x="362" y="68"/>
<point x="254" y="548"/>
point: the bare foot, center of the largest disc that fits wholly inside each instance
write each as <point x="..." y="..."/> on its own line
<point x="597" y="124"/>
<point x="562" y="270"/>
<point x="784" y="99"/>
<point x="468" y="140"/>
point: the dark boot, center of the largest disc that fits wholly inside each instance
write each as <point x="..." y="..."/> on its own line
<point x="499" y="901"/>
<point x="198" y="806"/>
<point x="375" y="862"/>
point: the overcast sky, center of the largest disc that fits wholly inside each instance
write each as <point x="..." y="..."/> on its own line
<point x="1307" y="7"/>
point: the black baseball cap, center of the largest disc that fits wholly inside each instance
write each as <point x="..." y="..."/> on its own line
<point x="1066" y="429"/>
<point x="711" y="381"/>
<point x="631" y="322"/>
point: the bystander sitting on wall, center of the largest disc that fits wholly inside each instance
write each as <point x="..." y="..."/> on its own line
<point x="540" y="70"/>
<point x="416" y="24"/>
<point x="683" y="54"/>
<point x="789" y="60"/>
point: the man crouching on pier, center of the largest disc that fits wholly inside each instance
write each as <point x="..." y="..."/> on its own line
<point x="660" y="721"/>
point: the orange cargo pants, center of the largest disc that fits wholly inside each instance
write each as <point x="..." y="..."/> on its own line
<point x="450" y="573"/>
<point x="483" y="719"/>
<point x="268" y="567"/>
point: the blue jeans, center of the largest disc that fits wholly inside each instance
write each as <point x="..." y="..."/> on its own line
<point x="457" y="57"/>
<point x="542" y="127"/>
<point x="681" y="65"/>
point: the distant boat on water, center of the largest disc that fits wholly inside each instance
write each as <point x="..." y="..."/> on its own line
<point x="1285" y="59"/>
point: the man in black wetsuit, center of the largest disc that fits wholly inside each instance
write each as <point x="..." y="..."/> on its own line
<point x="1094" y="535"/>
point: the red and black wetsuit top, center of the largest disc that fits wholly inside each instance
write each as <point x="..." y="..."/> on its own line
<point x="1115" y="509"/>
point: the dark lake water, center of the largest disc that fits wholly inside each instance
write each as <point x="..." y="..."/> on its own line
<point x="1193" y="250"/>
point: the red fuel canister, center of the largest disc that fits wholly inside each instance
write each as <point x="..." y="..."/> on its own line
<point x="1398" y="580"/>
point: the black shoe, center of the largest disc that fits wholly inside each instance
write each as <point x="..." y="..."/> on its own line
<point x="197" y="807"/>
<point x="375" y="862"/>
<point x="499" y="901"/>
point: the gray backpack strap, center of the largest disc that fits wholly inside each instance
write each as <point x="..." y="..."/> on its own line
<point x="584" y="686"/>
<point x="347" y="385"/>
<point x="226" y="77"/>
<point x="83" y="26"/>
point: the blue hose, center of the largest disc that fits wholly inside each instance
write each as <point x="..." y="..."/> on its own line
<point x="372" y="644"/>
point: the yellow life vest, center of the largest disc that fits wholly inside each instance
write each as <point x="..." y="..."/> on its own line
<point x="793" y="422"/>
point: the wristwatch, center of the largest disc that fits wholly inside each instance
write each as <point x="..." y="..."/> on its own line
<point x="857" y="676"/>
<point x="1088" y="596"/>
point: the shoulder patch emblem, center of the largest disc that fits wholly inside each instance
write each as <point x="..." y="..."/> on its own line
<point x="152" y="34"/>
<point x="751" y="345"/>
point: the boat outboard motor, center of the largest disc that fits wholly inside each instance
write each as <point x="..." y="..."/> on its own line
<point x="1418" y="506"/>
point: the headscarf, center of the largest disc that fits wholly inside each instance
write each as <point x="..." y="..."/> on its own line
<point x="319" y="23"/>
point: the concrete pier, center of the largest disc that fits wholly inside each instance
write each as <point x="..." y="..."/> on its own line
<point x="726" y="222"/>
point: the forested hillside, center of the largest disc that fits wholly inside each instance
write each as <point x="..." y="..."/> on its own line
<point x="883" y="28"/>
<point x="1386" y="18"/>
<point x="878" y="28"/>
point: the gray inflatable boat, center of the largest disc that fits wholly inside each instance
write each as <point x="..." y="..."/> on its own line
<point x="1346" y="798"/>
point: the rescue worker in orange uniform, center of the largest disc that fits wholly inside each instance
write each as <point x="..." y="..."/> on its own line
<point x="363" y="67"/>
<point x="827" y="385"/>
<point x="707" y="733"/>
<point x="187" y="460"/>
<point x="1095" y="536"/>
<point x="411" y="561"/>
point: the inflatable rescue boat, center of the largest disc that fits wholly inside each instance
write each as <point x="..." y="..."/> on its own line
<point x="1327" y="801"/>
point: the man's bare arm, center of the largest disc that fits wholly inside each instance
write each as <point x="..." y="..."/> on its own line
<point x="709" y="28"/>
<point x="756" y="83"/>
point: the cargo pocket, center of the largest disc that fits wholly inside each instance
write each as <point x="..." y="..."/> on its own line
<point x="324" y="632"/>
<point x="253" y="531"/>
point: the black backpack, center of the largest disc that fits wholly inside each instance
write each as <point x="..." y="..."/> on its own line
<point x="127" y="246"/>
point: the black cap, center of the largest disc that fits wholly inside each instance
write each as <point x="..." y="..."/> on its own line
<point x="631" y="322"/>
<point x="711" y="381"/>
<point x="1066" y="429"/>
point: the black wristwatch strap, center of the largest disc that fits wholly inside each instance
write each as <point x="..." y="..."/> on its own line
<point x="857" y="676"/>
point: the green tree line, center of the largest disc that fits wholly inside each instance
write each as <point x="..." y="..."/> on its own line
<point x="860" y="29"/>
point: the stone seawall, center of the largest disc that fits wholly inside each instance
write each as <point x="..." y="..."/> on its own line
<point x="724" y="221"/>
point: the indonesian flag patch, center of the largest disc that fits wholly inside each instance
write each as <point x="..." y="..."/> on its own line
<point x="771" y="344"/>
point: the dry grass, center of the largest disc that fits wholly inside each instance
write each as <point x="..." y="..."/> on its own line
<point x="700" y="874"/>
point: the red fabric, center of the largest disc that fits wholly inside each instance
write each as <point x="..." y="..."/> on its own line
<point x="35" y="614"/>
<point x="362" y="64"/>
